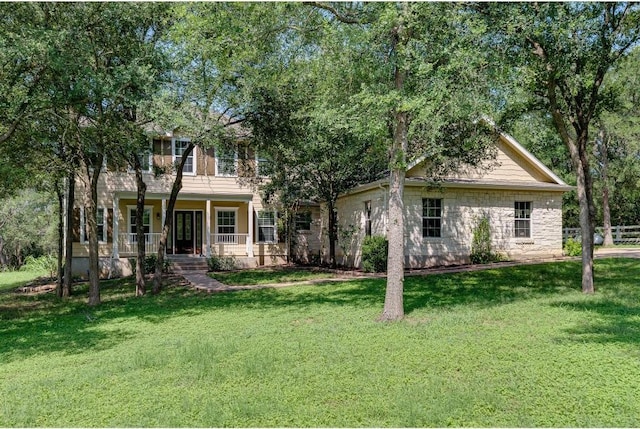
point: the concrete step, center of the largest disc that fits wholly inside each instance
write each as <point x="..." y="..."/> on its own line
<point x="188" y="263"/>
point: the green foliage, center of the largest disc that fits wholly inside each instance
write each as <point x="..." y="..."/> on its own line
<point x="222" y="263"/>
<point x="572" y="247"/>
<point x="46" y="263"/>
<point x="150" y="264"/>
<point x="27" y="226"/>
<point x="489" y="336"/>
<point x="481" y="249"/>
<point x="374" y="254"/>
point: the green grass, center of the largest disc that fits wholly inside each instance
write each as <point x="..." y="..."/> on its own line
<point x="519" y="346"/>
<point x="13" y="279"/>
<point x="273" y="275"/>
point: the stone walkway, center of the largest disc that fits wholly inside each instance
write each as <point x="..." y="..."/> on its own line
<point x="201" y="281"/>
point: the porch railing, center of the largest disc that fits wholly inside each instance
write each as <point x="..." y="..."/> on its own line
<point x="128" y="243"/>
<point x="221" y="244"/>
<point x="229" y="244"/>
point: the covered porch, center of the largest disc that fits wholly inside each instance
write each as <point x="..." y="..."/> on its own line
<point x="224" y="225"/>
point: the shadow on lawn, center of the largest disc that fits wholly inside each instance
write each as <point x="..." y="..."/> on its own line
<point x="44" y="324"/>
<point x="612" y="314"/>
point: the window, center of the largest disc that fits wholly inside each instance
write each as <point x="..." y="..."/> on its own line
<point x="266" y="227"/>
<point x="367" y="218"/>
<point x="522" y="225"/>
<point x="179" y="148"/>
<point x="146" y="222"/>
<point x="101" y="225"/>
<point x="225" y="226"/>
<point x="432" y="217"/>
<point x="146" y="161"/>
<point x="262" y="165"/>
<point x="226" y="161"/>
<point x="303" y="221"/>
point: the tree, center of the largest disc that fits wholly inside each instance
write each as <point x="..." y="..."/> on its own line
<point x="423" y="97"/>
<point x="102" y="68"/>
<point x="616" y="145"/>
<point x="297" y="123"/>
<point x="216" y="49"/>
<point x="563" y="52"/>
<point x="27" y="227"/>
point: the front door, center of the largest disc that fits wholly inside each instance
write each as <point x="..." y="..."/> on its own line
<point x="184" y="232"/>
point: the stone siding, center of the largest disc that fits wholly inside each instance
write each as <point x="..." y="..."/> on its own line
<point x="461" y="211"/>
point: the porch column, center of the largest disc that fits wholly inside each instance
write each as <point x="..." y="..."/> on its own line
<point x="208" y="227"/>
<point x="164" y="212"/>
<point x="116" y="232"/>
<point x="250" y="229"/>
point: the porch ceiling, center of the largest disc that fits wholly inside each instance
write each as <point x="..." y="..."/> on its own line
<point x="189" y="197"/>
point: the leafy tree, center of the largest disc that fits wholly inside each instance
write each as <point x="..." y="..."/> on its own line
<point x="99" y="69"/>
<point x="563" y="52"/>
<point x="216" y="49"/>
<point x="297" y="123"/>
<point x="27" y="227"/>
<point x="423" y="96"/>
<point x="617" y="145"/>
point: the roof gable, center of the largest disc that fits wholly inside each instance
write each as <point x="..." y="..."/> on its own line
<point x="513" y="163"/>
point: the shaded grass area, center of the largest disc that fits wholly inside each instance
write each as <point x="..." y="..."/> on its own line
<point x="12" y="279"/>
<point x="518" y="346"/>
<point x="273" y="275"/>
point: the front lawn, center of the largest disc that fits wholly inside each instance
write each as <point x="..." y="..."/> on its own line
<point x="518" y="346"/>
<point x="13" y="279"/>
<point x="272" y="275"/>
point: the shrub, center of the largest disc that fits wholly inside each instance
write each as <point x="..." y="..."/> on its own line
<point x="572" y="247"/>
<point x="481" y="251"/>
<point x="221" y="263"/>
<point x="150" y="264"/>
<point x="47" y="263"/>
<point x="374" y="254"/>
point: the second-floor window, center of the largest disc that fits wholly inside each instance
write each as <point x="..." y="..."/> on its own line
<point x="100" y="222"/>
<point x="262" y="165"/>
<point x="226" y="161"/>
<point x="179" y="147"/>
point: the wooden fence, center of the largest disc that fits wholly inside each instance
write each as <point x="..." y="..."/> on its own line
<point x="621" y="234"/>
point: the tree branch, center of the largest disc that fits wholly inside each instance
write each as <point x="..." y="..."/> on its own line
<point x="340" y="17"/>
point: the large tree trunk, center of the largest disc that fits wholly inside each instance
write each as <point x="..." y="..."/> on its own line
<point x="333" y="232"/>
<point x="59" y="265"/>
<point x="140" y="238"/>
<point x="68" y="251"/>
<point x="393" y="300"/>
<point x="168" y="220"/>
<point x="90" y="204"/>
<point x="587" y="226"/>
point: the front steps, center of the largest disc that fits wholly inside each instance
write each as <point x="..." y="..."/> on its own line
<point x="180" y="263"/>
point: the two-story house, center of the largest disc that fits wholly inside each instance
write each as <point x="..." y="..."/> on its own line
<point x="216" y="211"/>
